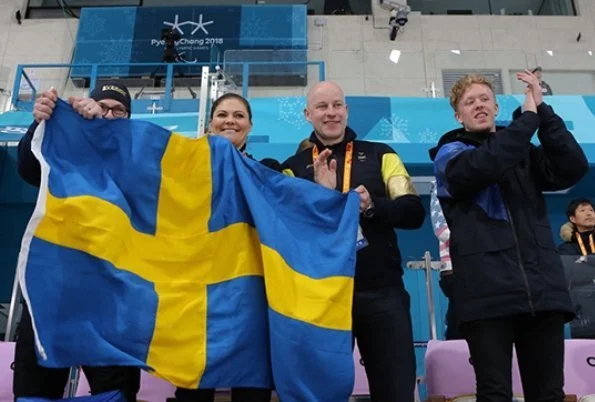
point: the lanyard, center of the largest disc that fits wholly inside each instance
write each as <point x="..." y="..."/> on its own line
<point x="582" y="245"/>
<point x="346" y="167"/>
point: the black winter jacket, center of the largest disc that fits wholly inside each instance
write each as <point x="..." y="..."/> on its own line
<point x="490" y="188"/>
<point x="396" y="204"/>
<point x="27" y="164"/>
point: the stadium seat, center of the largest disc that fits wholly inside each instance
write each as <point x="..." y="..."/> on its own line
<point x="361" y="381"/>
<point x="449" y="373"/>
<point x="6" y="359"/>
<point x="579" y="368"/>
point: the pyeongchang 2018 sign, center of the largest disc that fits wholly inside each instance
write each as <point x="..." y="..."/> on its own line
<point x="113" y="35"/>
<point x="179" y="29"/>
<point x="197" y="30"/>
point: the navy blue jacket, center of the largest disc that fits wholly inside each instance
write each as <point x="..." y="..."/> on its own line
<point x="490" y="187"/>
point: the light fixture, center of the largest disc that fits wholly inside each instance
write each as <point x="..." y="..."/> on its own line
<point x="394" y="56"/>
<point x="550" y="52"/>
<point x="456" y="51"/>
<point x="589" y="52"/>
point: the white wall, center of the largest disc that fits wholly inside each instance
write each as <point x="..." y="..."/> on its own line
<point x="35" y="41"/>
<point x="356" y="49"/>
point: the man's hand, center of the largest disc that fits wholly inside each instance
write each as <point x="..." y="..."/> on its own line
<point x="86" y="107"/>
<point x="529" y="104"/>
<point x="365" y="200"/>
<point x="44" y="105"/>
<point x="532" y="85"/>
<point x="325" y="172"/>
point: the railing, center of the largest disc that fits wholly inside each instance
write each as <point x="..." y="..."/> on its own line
<point x="25" y="83"/>
<point x="380" y="70"/>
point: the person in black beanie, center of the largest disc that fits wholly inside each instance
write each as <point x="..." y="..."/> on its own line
<point x="109" y="100"/>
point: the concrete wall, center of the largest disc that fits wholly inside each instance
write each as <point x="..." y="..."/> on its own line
<point x="356" y="49"/>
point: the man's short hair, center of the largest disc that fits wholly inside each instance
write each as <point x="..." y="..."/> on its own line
<point x="574" y="204"/>
<point x="459" y="88"/>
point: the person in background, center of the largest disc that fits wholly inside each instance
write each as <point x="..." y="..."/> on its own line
<point x="578" y="234"/>
<point x="110" y="100"/>
<point x="447" y="278"/>
<point x="546" y="90"/>
<point x="231" y="117"/>
<point x="388" y="201"/>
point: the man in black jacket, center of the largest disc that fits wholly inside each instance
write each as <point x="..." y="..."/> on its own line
<point x="510" y="287"/>
<point x="110" y="100"/>
<point x="388" y="200"/>
<point x="578" y="234"/>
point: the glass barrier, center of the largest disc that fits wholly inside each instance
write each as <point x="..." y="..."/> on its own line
<point x="38" y="78"/>
<point x="494" y="7"/>
<point x="567" y="73"/>
<point x="562" y="73"/>
<point x="447" y="66"/>
<point x="262" y="73"/>
<point x="527" y="7"/>
<point x="391" y="72"/>
<point x="378" y="71"/>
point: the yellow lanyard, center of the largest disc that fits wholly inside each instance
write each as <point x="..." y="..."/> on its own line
<point x="346" y="167"/>
<point x="582" y="245"/>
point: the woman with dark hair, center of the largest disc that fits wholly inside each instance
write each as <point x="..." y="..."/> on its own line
<point x="231" y="117"/>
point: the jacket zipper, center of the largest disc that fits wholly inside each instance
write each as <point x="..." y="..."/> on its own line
<point x="520" y="259"/>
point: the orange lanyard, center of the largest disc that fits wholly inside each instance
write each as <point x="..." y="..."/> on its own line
<point x="582" y="245"/>
<point x="346" y="167"/>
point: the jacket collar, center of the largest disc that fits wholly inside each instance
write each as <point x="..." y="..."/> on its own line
<point x="584" y="235"/>
<point x="475" y="138"/>
<point x="349" y="136"/>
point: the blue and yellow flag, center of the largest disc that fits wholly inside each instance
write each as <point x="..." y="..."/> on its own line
<point x="186" y="258"/>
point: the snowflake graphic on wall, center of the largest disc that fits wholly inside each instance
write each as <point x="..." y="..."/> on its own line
<point x="291" y="111"/>
<point x="396" y="129"/>
<point x="428" y="136"/>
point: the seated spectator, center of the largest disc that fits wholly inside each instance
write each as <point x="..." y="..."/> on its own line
<point x="578" y="234"/>
<point x="545" y="87"/>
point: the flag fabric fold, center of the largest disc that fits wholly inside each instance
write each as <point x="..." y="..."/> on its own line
<point x="186" y="258"/>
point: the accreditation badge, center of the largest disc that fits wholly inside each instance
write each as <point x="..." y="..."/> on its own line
<point x="361" y="241"/>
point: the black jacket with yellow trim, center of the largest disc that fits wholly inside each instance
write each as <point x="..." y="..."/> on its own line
<point x="396" y="203"/>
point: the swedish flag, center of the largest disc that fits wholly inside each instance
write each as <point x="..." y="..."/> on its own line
<point x="186" y="258"/>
